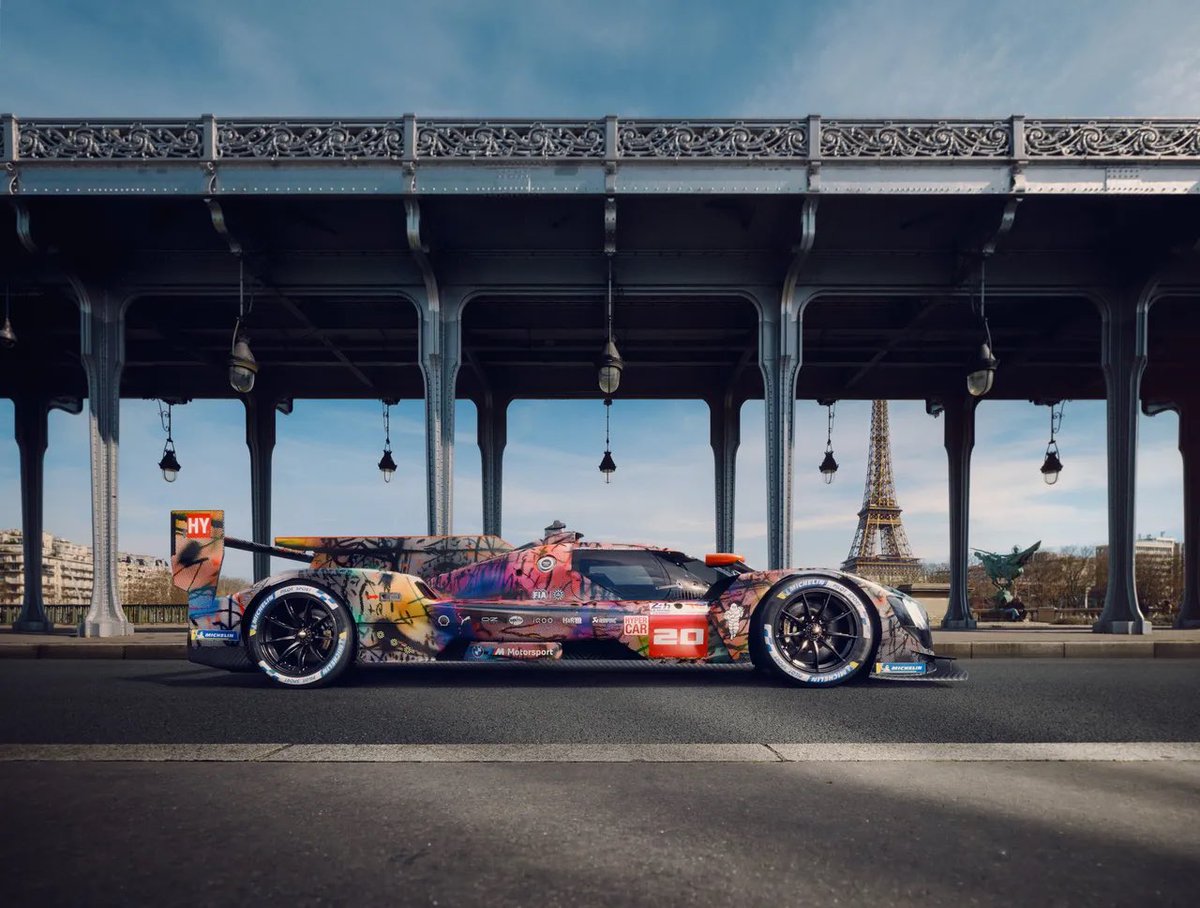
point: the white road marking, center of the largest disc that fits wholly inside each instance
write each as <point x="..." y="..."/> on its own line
<point x="604" y="753"/>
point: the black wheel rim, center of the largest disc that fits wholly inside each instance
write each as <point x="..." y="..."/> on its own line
<point x="818" y="631"/>
<point x="297" y="634"/>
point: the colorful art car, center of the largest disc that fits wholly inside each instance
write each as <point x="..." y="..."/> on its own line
<point x="367" y="600"/>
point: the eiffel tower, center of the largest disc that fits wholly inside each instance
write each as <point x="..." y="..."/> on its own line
<point x="880" y="550"/>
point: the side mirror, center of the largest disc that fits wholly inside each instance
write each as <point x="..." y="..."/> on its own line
<point x="720" y="559"/>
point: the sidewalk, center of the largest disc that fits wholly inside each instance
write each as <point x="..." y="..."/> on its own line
<point x="1000" y="642"/>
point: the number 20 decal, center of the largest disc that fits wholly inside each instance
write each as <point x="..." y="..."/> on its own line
<point x="679" y="636"/>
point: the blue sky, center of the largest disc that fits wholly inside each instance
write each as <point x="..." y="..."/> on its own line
<point x="931" y="58"/>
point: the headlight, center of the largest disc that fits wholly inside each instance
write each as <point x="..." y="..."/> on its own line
<point x="909" y="611"/>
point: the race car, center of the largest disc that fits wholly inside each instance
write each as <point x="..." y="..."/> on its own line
<point x="404" y="599"/>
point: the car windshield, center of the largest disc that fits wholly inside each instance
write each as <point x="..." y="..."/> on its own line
<point x="642" y="574"/>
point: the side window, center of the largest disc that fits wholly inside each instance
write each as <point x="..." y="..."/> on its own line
<point x="627" y="575"/>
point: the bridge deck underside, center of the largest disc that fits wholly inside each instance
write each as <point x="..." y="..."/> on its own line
<point x="332" y="282"/>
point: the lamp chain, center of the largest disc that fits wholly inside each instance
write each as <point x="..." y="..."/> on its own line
<point x="829" y="431"/>
<point x="387" y="426"/>
<point x="164" y="417"/>
<point x="608" y="307"/>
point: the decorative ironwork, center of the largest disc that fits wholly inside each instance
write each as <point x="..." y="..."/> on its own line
<point x="733" y="139"/>
<point x="122" y="141"/>
<point x="1148" y="139"/>
<point x="238" y="139"/>
<point x="941" y="139"/>
<point x="880" y="550"/>
<point x="550" y="139"/>
<point x="721" y="140"/>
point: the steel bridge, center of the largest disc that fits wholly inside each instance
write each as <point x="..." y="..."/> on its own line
<point x="753" y="259"/>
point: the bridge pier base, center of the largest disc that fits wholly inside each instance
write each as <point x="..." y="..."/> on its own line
<point x="103" y="352"/>
<point x="958" y="410"/>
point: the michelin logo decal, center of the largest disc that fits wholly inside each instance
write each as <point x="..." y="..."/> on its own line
<point x="215" y="634"/>
<point x="900" y="668"/>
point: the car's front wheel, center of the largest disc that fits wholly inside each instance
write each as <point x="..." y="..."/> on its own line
<point x="301" y="635"/>
<point x="814" y="631"/>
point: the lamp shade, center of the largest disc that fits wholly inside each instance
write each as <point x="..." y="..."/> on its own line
<point x="242" y="366"/>
<point x="1051" y="467"/>
<point x="8" y="337"/>
<point x="169" y="465"/>
<point x="387" y="466"/>
<point x="611" y="366"/>
<point x="983" y="373"/>
<point x="828" y="467"/>
<point x="607" y="464"/>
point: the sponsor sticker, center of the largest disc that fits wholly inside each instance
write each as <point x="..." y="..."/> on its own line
<point x="516" y="651"/>
<point x="733" y="619"/>
<point x="636" y="625"/>
<point x="900" y="668"/>
<point x="537" y="594"/>
<point x="443" y="620"/>
<point x="199" y="526"/>
<point x="546" y="563"/>
<point x="572" y="619"/>
<point x="514" y="620"/>
<point x="678" y="636"/>
<point x="606" y="619"/>
<point x="215" y="634"/>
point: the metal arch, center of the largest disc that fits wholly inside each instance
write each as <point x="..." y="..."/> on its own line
<point x="1007" y="217"/>
<point x="221" y="225"/>
<point x="24" y="229"/>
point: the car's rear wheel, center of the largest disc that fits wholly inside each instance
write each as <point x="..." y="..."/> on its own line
<point x="301" y="635"/>
<point x="814" y="631"/>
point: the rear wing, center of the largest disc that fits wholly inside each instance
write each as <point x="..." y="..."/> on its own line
<point x="422" y="556"/>
<point x="198" y="544"/>
<point x="197" y="550"/>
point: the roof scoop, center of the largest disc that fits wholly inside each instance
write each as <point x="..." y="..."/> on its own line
<point x="558" y="532"/>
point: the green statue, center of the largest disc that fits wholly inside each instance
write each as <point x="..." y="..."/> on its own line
<point x="1002" y="570"/>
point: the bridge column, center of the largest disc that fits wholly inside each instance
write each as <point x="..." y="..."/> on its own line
<point x="260" y="439"/>
<point x="725" y="434"/>
<point x="30" y="419"/>
<point x="779" y="368"/>
<point x="1123" y="357"/>
<point x="1189" y="447"/>
<point x="492" y="436"/>
<point x="102" y="314"/>
<point x="440" y="357"/>
<point x="959" y="437"/>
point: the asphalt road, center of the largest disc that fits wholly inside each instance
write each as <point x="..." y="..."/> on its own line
<point x="43" y="701"/>
<point x="818" y="832"/>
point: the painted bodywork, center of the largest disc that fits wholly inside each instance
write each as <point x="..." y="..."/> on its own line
<point x="423" y="598"/>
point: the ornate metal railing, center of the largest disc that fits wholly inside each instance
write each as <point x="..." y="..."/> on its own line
<point x="609" y="139"/>
<point x="69" y="615"/>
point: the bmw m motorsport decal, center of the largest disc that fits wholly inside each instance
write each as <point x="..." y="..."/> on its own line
<point x="477" y="598"/>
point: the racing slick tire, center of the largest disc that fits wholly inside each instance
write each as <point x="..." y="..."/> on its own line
<point x="814" y="631"/>
<point x="301" y="635"/>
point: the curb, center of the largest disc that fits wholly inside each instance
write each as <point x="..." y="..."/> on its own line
<point x="93" y="651"/>
<point x="1074" y="649"/>
<point x="985" y="649"/>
